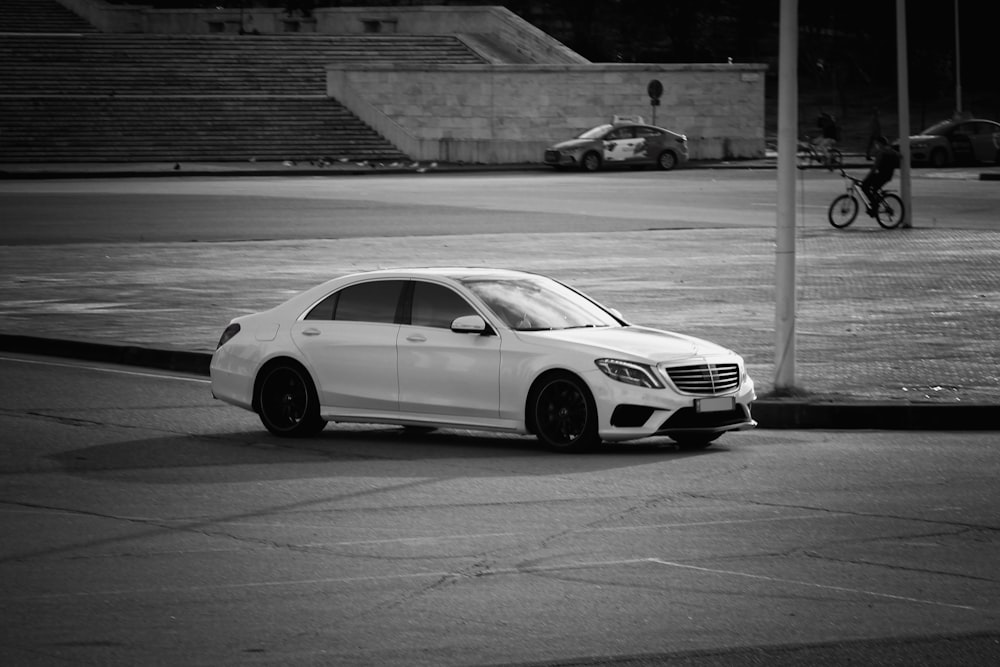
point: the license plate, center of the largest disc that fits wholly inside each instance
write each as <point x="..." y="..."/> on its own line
<point x="722" y="404"/>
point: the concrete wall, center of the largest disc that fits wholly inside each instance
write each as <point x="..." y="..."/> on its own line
<point x="508" y="113"/>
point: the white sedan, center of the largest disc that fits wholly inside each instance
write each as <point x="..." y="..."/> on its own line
<point x="476" y="348"/>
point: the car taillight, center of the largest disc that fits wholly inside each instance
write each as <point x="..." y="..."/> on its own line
<point x="230" y="331"/>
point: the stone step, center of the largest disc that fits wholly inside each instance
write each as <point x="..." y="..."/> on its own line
<point x="155" y="129"/>
<point x="40" y="16"/>
<point x="192" y="97"/>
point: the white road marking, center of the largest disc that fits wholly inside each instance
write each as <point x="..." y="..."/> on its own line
<point x="810" y="584"/>
<point x="441" y="574"/>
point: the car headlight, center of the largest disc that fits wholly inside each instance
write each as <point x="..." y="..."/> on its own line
<point x="629" y="372"/>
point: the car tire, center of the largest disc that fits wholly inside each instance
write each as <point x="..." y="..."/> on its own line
<point x="591" y="161"/>
<point x="286" y="401"/>
<point x="667" y="160"/>
<point x="694" y="442"/>
<point x="562" y="413"/>
<point x="938" y="158"/>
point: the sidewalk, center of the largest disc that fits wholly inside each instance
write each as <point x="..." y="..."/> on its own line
<point x="313" y="168"/>
<point x="908" y="342"/>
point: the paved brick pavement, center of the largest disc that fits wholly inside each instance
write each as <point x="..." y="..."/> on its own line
<point x="905" y="316"/>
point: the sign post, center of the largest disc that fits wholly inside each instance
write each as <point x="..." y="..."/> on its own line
<point x="655" y="90"/>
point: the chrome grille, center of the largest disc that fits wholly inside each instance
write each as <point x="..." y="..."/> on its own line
<point x="705" y="378"/>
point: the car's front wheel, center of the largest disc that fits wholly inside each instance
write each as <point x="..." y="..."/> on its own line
<point x="591" y="161"/>
<point x="563" y="412"/>
<point x="666" y="161"/>
<point x="286" y="401"/>
<point x="939" y="158"/>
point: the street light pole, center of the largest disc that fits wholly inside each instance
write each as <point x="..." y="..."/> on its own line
<point x="903" y="93"/>
<point x="784" y="272"/>
<point x="958" y="66"/>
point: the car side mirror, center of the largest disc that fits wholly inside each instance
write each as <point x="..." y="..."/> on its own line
<point x="471" y="324"/>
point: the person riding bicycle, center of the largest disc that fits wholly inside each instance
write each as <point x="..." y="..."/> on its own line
<point x="830" y="133"/>
<point x="886" y="161"/>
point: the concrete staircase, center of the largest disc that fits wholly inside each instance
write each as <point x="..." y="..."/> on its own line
<point x="111" y="97"/>
<point x="40" y="16"/>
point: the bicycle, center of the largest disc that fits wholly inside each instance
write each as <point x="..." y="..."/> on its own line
<point x="809" y="153"/>
<point x="887" y="209"/>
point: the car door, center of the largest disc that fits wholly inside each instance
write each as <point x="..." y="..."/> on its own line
<point x="348" y="341"/>
<point x="619" y="144"/>
<point x="961" y="138"/>
<point x="651" y="143"/>
<point x="440" y="371"/>
<point x="983" y="147"/>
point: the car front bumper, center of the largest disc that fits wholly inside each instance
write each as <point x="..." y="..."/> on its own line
<point x="627" y="412"/>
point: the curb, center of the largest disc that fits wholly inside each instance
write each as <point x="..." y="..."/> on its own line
<point x="145" y="170"/>
<point x="769" y="413"/>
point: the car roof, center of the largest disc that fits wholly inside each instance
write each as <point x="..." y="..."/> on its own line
<point x="441" y="272"/>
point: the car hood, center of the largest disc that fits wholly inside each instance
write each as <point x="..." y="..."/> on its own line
<point x="572" y="143"/>
<point x="652" y="345"/>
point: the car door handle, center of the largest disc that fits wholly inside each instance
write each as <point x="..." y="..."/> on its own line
<point x="310" y="332"/>
<point x="417" y="338"/>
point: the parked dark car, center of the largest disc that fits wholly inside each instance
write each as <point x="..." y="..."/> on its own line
<point x="623" y="142"/>
<point x="949" y="142"/>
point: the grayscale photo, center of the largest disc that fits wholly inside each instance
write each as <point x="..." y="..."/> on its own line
<point x="499" y="333"/>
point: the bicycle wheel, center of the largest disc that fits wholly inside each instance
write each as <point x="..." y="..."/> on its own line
<point x="889" y="212"/>
<point x="843" y="211"/>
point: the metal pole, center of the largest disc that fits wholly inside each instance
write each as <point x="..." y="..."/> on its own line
<point x="788" y="122"/>
<point x="903" y="92"/>
<point x="958" y="66"/>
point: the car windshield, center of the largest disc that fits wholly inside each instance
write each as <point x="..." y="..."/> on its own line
<point x="595" y="132"/>
<point x="536" y="303"/>
<point x="938" y="128"/>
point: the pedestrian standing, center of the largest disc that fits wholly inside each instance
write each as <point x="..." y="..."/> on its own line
<point x="874" y="132"/>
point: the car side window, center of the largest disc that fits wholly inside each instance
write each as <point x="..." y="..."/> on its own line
<point x="437" y="306"/>
<point x="374" y="301"/>
<point x="620" y="133"/>
<point x="325" y="309"/>
<point x="647" y="132"/>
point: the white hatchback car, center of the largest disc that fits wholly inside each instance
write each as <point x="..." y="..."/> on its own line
<point x="476" y="348"/>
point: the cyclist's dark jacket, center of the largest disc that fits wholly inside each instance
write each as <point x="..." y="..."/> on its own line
<point x="886" y="162"/>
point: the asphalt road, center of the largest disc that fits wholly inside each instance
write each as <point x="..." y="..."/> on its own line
<point x="142" y="522"/>
<point x="210" y="209"/>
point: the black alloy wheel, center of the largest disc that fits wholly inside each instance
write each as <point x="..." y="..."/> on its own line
<point x="565" y="416"/>
<point x="287" y="402"/>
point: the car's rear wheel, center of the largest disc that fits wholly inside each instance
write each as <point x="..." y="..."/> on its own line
<point x="591" y="161"/>
<point x="666" y="161"/>
<point x="939" y="157"/>
<point x="287" y="402"/>
<point x="692" y="442"/>
<point x="564" y="413"/>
